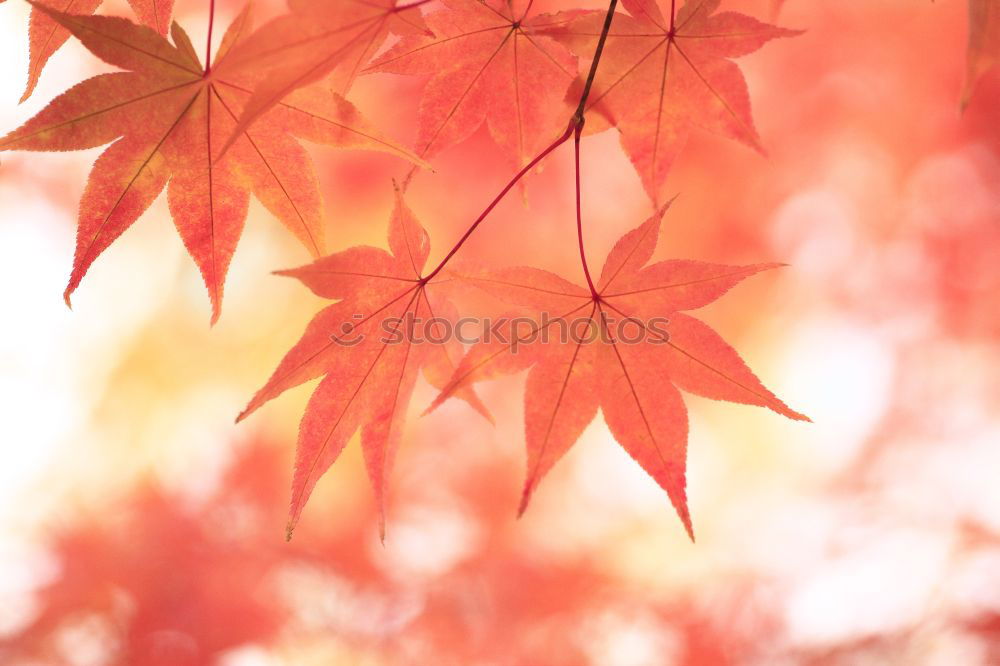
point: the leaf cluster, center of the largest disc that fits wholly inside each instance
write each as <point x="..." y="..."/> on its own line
<point x="214" y="127"/>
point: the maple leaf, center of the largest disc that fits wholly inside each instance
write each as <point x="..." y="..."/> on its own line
<point x="169" y="115"/>
<point x="984" y="43"/>
<point x="659" y="77"/>
<point x="369" y="373"/>
<point x="46" y="35"/>
<point x="489" y="63"/>
<point x="319" y="39"/>
<point x="634" y="380"/>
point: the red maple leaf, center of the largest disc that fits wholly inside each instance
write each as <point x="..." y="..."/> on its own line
<point x="369" y="354"/>
<point x="626" y="348"/>
<point x="489" y="63"/>
<point x="170" y="115"/>
<point x="661" y="76"/>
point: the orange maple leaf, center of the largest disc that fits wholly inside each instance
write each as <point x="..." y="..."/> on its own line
<point x="319" y="39"/>
<point x="170" y="115"/>
<point x="489" y="64"/>
<point x="984" y="43"/>
<point x="369" y="355"/>
<point x="659" y="77"/>
<point x="635" y="349"/>
<point x="46" y="35"/>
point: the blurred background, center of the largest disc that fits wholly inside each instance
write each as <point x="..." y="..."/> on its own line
<point x="138" y="525"/>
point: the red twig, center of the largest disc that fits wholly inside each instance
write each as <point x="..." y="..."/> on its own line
<point x="513" y="181"/>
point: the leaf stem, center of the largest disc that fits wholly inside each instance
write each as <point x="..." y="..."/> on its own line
<point x="574" y="129"/>
<point x="208" y="45"/>
<point x="579" y="118"/>
<point x="578" y="130"/>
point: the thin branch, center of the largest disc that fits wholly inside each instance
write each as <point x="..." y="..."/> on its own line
<point x="574" y="129"/>
<point x="578" y="116"/>
<point x="513" y="181"/>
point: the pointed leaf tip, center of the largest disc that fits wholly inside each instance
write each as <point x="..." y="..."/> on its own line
<point x="667" y="204"/>
<point x="430" y="408"/>
<point x="794" y="415"/>
<point x="685" y="515"/>
<point x="529" y="489"/>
